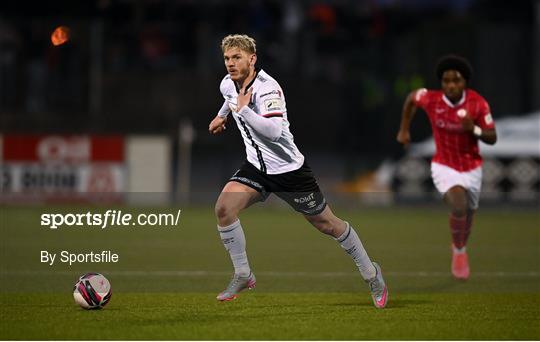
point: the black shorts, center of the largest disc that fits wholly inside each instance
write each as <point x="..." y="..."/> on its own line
<point x="298" y="188"/>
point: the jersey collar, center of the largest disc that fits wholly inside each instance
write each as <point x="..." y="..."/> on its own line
<point x="250" y="83"/>
<point x="460" y="102"/>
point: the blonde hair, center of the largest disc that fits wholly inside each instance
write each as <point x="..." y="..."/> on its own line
<point x="241" y="41"/>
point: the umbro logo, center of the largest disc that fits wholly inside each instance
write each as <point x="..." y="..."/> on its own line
<point x="226" y="241"/>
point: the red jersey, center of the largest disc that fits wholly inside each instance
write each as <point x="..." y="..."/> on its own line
<point x="454" y="147"/>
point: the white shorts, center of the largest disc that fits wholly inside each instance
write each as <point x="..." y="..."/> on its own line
<point x="445" y="177"/>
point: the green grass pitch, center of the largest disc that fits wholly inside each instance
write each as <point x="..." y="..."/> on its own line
<point x="165" y="283"/>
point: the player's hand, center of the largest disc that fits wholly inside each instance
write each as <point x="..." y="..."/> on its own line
<point x="404" y="137"/>
<point x="467" y="124"/>
<point x="217" y="125"/>
<point x="244" y="98"/>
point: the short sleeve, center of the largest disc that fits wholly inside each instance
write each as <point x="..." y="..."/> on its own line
<point x="421" y="98"/>
<point x="270" y="101"/>
<point x="484" y="118"/>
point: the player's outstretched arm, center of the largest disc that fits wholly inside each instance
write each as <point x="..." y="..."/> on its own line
<point x="217" y="125"/>
<point x="407" y="114"/>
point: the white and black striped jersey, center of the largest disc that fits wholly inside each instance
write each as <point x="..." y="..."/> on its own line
<point x="270" y="157"/>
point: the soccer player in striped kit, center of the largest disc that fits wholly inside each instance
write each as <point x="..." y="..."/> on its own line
<point x="273" y="165"/>
<point x="459" y="118"/>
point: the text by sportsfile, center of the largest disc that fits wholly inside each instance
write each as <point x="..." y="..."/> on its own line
<point x="110" y="218"/>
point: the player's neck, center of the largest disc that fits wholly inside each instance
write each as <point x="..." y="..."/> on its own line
<point x="243" y="83"/>
<point x="455" y="101"/>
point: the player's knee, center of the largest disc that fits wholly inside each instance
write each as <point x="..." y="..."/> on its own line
<point x="459" y="207"/>
<point x="458" y="202"/>
<point x="224" y="212"/>
<point x="459" y="211"/>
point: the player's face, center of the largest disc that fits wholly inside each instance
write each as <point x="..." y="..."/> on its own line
<point x="238" y="63"/>
<point x="453" y="83"/>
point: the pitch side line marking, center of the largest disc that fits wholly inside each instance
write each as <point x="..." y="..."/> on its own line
<point x="426" y="274"/>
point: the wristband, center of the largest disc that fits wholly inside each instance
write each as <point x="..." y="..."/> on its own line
<point x="477" y="131"/>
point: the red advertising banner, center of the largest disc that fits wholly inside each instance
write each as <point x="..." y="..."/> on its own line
<point x="64" y="148"/>
<point x="61" y="166"/>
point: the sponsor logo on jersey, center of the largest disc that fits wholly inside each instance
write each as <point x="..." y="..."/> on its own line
<point x="449" y="126"/>
<point x="273" y="92"/>
<point x="462" y="113"/>
<point x="272" y="104"/>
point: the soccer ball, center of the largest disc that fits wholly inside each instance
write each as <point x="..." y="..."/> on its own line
<point x="92" y="291"/>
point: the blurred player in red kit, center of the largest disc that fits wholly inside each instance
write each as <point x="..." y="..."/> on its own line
<point x="459" y="117"/>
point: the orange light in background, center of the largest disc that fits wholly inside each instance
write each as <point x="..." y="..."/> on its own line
<point x="60" y="35"/>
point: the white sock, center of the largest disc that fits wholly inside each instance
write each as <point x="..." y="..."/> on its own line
<point x="234" y="241"/>
<point x="459" y="250"/>
<point x="351" y="243"/>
